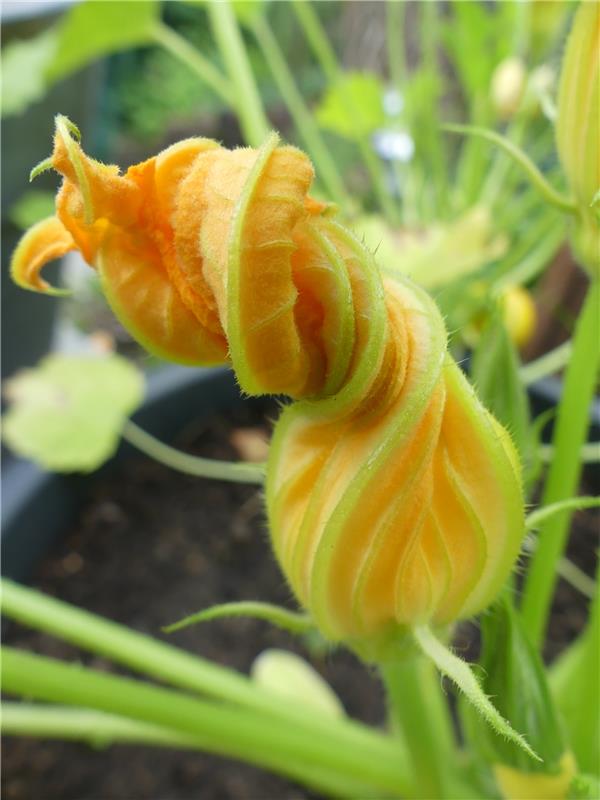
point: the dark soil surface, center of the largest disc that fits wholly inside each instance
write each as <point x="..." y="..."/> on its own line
<point x="151" y="546"/>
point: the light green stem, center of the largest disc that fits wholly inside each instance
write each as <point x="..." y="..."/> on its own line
<point x="547" y="364"/>
<point x="326" y="167"/>
<point x="563" y="476"/>
<point x="182" y="50"/>
<point x="217" y="728"/>
<point x="522" y="159"/>
<point x="176" y="667"/>
<point x="325" y="55"/>
<point x="589" y="453"/>
<point x="280" y="617"/>
<point x="248" y="104"/>
<point x="97" y="728"/>
<point x="396" y="51"/>
<point x="416" y="705"/>
<point x="191" y="465"/>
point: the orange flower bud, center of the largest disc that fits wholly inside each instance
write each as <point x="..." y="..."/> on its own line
<point x="393" y="497"/>
<point x="578" y="129"/>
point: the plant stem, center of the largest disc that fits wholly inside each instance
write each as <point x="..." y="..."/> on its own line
<point x="563" y="476"/>
<point x="191" y="465"/>
<point x="327" y="170"/>
<point x="547" y="364"/>
<point x="178" y="668"/>
<point x="182" y="50"/>
<point x="325" y="55"/>
<point x="317" y="761"/>
<point x="248" y="104"/>
<point x="97" y="728"/>
<point x="417" y="706"/>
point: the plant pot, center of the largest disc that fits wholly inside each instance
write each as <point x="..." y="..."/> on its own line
<point x="39" y="505"/>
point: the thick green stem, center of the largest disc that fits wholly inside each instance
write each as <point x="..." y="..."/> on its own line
<point x="248" y="104"/>
<point x="327" y="170"/>
<point x="547" y="364"/>
<point x="183" y="51"/>
<point x="176" y="667"/>
<point x="191" y="465"/>
<point x="97" y="728"/>
<point x="325" y="55"/>
<point x="417" y="706"/>
<point x="572" y="423"/>
<point x="222" y="729"/>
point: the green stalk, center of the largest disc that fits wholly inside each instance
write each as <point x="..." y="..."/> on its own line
<point x="429" y="38"/>
<point x="416" y="705"/>
<point x="97" y="728"/>
<point x="325" y="55"/>
<point x="191" y="465"/>
<point x="248" y="104"/>
<point x="327" y="170"/>
<point x="547" y="364"/>
<point x="176" y="667"/>
<point x="183" y="51"/>
<point x="317" y="761"/>
<point x="563" y="476"/>
<point x="394" y="37"/>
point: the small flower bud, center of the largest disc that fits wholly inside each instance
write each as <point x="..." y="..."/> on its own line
<point x="508" y="86"/>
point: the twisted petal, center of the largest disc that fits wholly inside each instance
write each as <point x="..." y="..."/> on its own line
<point x="393" y="497"/>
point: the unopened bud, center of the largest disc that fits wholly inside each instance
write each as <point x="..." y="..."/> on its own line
<point x="508" y="85"/>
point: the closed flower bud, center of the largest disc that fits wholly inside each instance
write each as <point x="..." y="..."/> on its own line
<point x="508" y="86"/>
<point x="393" y="496"/>
<point x="578" y="130"/>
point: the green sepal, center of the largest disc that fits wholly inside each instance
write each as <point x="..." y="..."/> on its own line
<point x="513" y="674"/>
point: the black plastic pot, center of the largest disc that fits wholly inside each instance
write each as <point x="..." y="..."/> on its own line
<point x="38" y="506"/>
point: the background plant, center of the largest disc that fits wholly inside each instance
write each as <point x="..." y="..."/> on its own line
<point x="450" y="198"/>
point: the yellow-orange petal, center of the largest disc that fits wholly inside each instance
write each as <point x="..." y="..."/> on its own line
<point x="45" y="241"/>
<point x="148" y="304"/>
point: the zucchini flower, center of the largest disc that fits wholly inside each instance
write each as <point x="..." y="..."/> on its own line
<point x="393" y="496"/>
<point x="578" y="130"/>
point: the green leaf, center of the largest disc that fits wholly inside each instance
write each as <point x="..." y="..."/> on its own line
<point x="355" y="90"/>
<point x="24" y="65"/>
<point x="32" y="207"/>
<point x="495" y="373"/>
<point x="67" y="413"/>
<point x="88" y="31"/>
<point x="93" y="29"/>
<point x="281" y="617"/>
<point x="576" y="690"/>
<point x="513" y="674"/>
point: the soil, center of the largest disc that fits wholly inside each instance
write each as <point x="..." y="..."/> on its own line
<point x="151" y="546"/>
